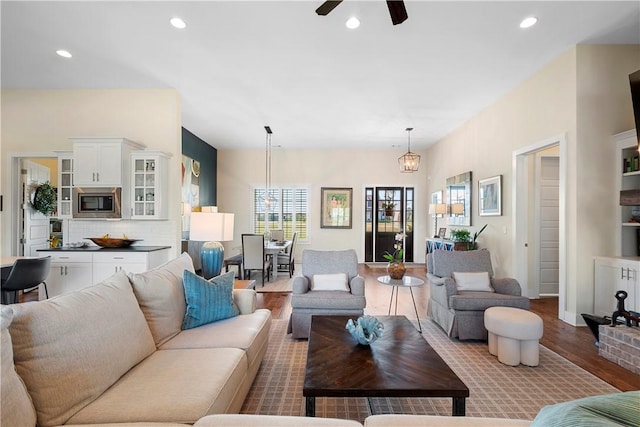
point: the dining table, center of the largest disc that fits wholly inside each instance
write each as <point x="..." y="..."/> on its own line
<point x="272" y="248"/>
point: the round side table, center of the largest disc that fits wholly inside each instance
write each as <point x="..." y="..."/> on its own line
<point x="406" y="282"/>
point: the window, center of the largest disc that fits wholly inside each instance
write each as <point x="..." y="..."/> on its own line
<point x="289" y="211"/>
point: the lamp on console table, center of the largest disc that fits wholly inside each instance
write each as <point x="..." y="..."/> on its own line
<point x="212" y="228"/>
<point x="436" y="209"/>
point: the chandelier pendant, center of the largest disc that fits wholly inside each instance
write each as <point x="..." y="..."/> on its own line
<point x="410" y="161"/>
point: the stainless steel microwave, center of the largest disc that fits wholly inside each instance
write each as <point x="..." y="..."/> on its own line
<point x="97" y="202"/>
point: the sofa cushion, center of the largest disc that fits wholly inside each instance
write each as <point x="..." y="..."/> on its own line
<point x="249" y="332"/>
<point x="472" y="281"/>
<point x="480" y="301"/>
<point x="329" y="300"/>
<point x="16" y="407"/>
<point x="605" y="410"/>
<point x="179" y="386"/>
<point x="208" y="300"/>
<point x="329" y="282"/>
<point x="70" y="349"/>
<point x="401" y="420"/>
<point x="246" y="420"/>
<point x="161" y="297"/>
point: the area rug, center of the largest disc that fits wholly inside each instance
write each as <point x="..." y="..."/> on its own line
<point x="496" y="390"/>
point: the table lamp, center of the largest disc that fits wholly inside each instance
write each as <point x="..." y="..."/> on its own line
<point x="211" y="228"/>
<point x="436" y="209"/>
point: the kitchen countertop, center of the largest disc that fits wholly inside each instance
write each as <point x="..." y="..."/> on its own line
<point x="99" y="249"/>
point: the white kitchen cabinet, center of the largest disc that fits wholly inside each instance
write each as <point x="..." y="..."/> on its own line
<point x="65" y="185"/>
<point x="105" y="264"/>
<point x="69" y="271"/>
<point x="613" y="274"/>
<point x="149" y="181"/>
<point x="73" y="270"/>
<point x="102" y="162"/>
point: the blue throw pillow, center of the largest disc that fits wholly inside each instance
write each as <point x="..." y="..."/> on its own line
<point x="208" y="300"/>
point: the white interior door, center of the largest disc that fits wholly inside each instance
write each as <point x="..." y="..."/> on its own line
<point x="35" y="225"/>
<point x="549" y="232"/>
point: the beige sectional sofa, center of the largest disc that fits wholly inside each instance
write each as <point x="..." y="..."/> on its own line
<point x="115" y="353"/>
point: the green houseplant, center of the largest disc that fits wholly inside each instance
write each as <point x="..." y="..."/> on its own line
<point x="474" y="243"/>
<point x="45" y="198"/>
<point x="461" y="238"/>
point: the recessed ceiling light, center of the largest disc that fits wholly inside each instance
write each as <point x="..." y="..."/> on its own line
<point x="178" y="23"/>
<point x="529" y="21"/>
<point x="63" y="53"/>
<point x="353" y="23"/>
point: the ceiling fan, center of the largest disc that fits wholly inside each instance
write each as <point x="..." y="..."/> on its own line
<point x="396" y="9"/>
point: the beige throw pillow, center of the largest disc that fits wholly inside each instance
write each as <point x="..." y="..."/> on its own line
<point x="329" y="282"/>
<point x="473" y="281"/>
<point x="161" y="297"/>
<point x="71" y="348"/>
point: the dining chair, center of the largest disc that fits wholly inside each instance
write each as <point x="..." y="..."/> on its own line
<point x="25" y="274"/>
<point x="254" y="256"/>
<point x="285" y="261"/>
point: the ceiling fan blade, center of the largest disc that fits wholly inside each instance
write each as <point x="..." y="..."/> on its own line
<point x="327" y="7"/>
<point x="397" y="11"/>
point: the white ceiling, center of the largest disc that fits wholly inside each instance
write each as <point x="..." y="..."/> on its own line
<point x="240" y="65"/>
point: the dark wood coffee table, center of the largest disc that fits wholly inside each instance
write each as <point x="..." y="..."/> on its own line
<point x="399" y="364"/>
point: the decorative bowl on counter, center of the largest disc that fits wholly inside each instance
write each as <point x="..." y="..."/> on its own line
<point x="112" y="242"/>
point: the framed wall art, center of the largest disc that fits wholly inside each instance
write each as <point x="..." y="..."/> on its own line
<point x="490" y="196"/>
<point x="336" y="204"/>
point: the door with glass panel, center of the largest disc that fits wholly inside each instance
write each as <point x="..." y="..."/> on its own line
<point x="388" y="212"/>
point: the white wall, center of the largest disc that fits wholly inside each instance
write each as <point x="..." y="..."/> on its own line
<point x="239" y="171"/>
<point x="42" y="121"/>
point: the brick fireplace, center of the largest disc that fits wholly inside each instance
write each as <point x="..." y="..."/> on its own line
<point x="621" y="345"/>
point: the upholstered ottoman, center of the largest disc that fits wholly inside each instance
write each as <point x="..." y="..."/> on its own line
<point x="513" y="335"/>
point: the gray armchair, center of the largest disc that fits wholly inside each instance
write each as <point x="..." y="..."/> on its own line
<point x="461" y="313"/>
<point x="305" y="302"/>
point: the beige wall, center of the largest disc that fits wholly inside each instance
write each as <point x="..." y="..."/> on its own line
<point x="42" y="121"/>
<point x="239" y="171"/>
<point x="583" y="94"/>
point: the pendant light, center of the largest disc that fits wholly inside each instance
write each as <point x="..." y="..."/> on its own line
<point x="410" y="161"/>
<point x="269" y="200"/>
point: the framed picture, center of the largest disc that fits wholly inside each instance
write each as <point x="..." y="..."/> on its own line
<point x="335" y="207"/>
<point x="490" y="196"/>
<point x="442" y="232"/>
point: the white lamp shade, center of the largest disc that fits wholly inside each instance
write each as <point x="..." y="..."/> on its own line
<point x="211" y="227"/>
<point x="437" y="209"/>
<point x="457" y="209"/>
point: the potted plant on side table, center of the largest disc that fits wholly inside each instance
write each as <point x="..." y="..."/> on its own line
<point x="461" y="238"/>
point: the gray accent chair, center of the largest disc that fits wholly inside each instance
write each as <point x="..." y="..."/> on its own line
<point x="306" y="302"/>
<point x="461" y="314"/>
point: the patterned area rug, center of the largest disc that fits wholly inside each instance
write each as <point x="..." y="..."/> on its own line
<point x="496" y="390"/>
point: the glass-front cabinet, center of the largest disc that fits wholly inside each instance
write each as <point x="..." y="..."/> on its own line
<point x="149" y="183"/>
<point x="65" y="185"/>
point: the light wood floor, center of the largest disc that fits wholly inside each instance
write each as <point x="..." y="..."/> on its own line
<point x="574" y="344"/>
